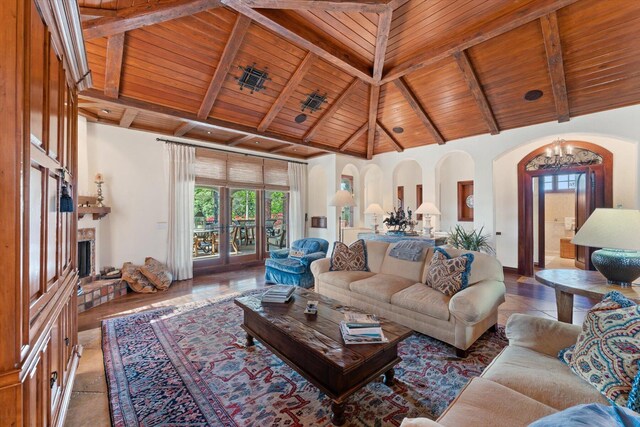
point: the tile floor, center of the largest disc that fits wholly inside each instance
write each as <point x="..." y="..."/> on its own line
<point x="89" y="402"/>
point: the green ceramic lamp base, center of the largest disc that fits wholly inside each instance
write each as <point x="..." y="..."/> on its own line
<point x="617" y="266"/>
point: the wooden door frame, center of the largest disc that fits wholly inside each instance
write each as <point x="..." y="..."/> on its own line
<point x="525" y="196"/>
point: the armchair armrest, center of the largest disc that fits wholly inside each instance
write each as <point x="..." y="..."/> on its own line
<point x="320" y="266"/>
<point x="476" y="302"/>
<point x="546" y="336"/>
<point x="279" y="253"/>
<point x="310" y="258"/>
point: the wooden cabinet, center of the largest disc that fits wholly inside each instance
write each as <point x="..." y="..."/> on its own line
<point x="41" y="69"/>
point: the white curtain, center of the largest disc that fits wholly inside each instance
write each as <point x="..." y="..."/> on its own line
<point x="181" y="161"/>
<point x="297" y="200"/>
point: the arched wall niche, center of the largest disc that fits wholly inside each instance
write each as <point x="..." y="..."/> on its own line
<point x="454" y="167"/>
<point x="407" y="175"/>
<point x="372" y="190"/>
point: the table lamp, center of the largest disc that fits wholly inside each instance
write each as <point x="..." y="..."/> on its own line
<point x="341" y="199"/>
<point x="376" y="210"/>
<point x="617" y="231"/>
<point x="427" y="209"/>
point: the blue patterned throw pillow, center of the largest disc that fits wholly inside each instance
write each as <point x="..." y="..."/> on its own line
<point x="449" y="275"/>
<point x="607" y="353"/>
<point x="349" y="258"/>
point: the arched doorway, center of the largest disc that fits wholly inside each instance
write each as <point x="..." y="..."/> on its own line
<point x="591" y="169"/>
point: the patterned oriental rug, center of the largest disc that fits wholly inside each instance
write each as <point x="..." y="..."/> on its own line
<point x="188" y="366"/>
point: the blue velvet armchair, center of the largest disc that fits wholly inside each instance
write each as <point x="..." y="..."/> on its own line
<point x="284" y="269"/>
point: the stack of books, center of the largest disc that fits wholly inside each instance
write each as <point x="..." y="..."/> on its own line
<point x="360" y="328"/>
<point x="280" y="293"/>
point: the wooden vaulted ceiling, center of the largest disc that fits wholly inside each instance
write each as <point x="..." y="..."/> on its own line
<point x="439" y="69"/>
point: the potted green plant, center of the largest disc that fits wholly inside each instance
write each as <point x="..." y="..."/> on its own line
<point x="470" y="240"/>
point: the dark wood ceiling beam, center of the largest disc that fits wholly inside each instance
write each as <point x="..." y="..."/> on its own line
<point x="279" y="148"/>
<point x="374" y="98"/>
<point x="396" y="145"/>
<point x="144" y="14"/>
<point x="553" y="47"/>
<point x="471" y="78"/>
<point x="88" y="114"/>
<point x="354" y="137"/>
<point x="332" y="110"/>
<point x="364" y="6"/>
<point x="128" y="117"/>
<point x="382" y="39"/>
<point x="208" y="122"/>
<point x="97" y="12"/>
<point x="113" y="65"/>
<point x="500" y="25"/>
<point x="184" y="128"/>
<point x="305" y="38"/>
<point x="417" y="108"/>
<point x="242" y="139"/>
<point x="228" y="55"/>
<point x="288" y="90"/>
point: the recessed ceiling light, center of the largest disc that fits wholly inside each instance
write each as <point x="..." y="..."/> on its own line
<point x="104" y="110"/>
<point x="398" y="129"/>
<point x="300" y="118"/>
<point x="209" y="132"/>
<point x="533" y="95"/>
<point x="257" y="142"/>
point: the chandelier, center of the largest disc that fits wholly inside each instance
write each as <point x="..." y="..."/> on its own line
<point x="561" y="154"/>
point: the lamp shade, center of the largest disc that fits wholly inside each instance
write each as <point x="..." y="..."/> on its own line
<point x="374" y="208"/>
<point x="611" y="229"/>
<point x="342" y="198"/>
<point x="427" y="208"/>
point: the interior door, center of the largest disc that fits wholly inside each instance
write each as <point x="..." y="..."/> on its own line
<point x="590" y="194"/>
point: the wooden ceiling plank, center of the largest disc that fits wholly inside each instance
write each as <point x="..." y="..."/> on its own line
<point x="228" y="55"/>
<point x="363" y="6"/>
<point x="382" y="39"/>
<point x="305" y="38"/>
<point x="288" y="90"/>
<point x="553" y="48"/>
<point x="471" y="78"/>
<point x="415" y="105"/>
<point x="505" y="23"/>
<point x="113" y="67"/>
<point x="184" y="128"/>
<point x="332" y="109"/>
<point x="398" y="147"/>
<point x="374" y="98"/>
<point x="128" y="117"/>
<point x="209" y="121"/>
<point x="96" y="11"/>
<point x="353" y="138"/>
<point x="144" y="14"/>
<point x="240" y="140"/>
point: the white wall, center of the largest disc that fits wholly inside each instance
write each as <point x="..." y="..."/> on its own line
<point x="454" y="167"/>
<point x="407" y="174"/>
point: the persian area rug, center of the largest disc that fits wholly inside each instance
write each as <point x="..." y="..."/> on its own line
<point x="188" y="366"/>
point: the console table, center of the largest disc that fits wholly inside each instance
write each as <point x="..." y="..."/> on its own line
<point x="590" y="284"/>
<point x="393" y="238"/>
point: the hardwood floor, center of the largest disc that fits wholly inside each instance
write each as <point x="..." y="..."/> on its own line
<point x="89" y="402"/>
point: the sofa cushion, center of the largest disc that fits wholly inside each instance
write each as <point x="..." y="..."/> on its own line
<point x="349" y="258"/>
<point x="541" y="377"/>
<point x="380" y="287"/>
<point x="137" y="281"/>
<point x="376" y="251"/>
<point x="411" y="270"/>
<point x="342" y="279"/>
<point x="449" y="275"/>
<point x="483" y="403"/>
<point x="288" y="265"/>
<point x="422" y="299"/>
<point x="485" y="267"/>
<point x="157" y="272"/>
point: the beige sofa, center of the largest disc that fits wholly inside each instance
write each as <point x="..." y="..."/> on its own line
<point x="396" y="289"/>
<point x="524" y="383"/>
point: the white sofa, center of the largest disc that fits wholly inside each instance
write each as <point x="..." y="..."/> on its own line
<point x="396" y="289"/>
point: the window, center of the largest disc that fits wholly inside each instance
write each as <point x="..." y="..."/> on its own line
<point x="346" y="183"/>
<point x="206" y="221"/>
<point x="559" y="183"/>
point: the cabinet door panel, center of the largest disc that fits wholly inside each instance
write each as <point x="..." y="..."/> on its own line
<point x="52" y="229"/>
<point x="36" y="178"/>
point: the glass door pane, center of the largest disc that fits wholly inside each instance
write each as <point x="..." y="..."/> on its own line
<point x="242" y="226"/>
<point x="206" y="232"/>
<point x="276" y="209"/>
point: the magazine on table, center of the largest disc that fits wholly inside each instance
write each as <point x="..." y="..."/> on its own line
<point x="279" y="293"/>
<point x="361" y="320"/>
<point x="360" y="339"/>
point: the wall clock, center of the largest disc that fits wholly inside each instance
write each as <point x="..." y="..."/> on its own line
<point x="469" y="201"/>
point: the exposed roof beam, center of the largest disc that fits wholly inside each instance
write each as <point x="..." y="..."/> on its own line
<point x="374" y="97"/>
<point x="288" y="90"/>
<point x="240" y="140"/>
<point x="113" y="66"/>
<point x="128" y="117"/>
<point x="382" y="38"/>
<point x="144" y="14"/>
<point x="280" y="148"/>
<point x="417" y="108"/>
<point x="90" y="115"/>
<point x="504" y="23"/>
<point x="469" y="75"/>
<point x="230" y="50"/>
<point x="209" y="122"/>
<point x="396" y="145"/>
<point x="96" y="11"/>
<point x="553" y="47"/>
<point x="353" y="138"/>
<point x="184" y="128"/>
<point x="364" y="6"/>
<point x="305" y="38"/>
<point x="332" y="110"/>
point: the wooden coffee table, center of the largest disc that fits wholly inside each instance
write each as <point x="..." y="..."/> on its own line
<point x="313" y="346"/>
